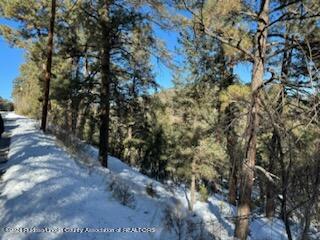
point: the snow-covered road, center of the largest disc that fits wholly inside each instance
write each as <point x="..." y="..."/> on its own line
<point x="44" y="187"/>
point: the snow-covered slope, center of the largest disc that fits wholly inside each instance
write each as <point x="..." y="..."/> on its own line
<point x="45" y="187"/>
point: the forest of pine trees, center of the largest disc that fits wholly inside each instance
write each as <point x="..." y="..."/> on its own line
<point x="89" y="70"/>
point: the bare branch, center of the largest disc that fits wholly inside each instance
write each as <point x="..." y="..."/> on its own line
<point x="271" y="177"/>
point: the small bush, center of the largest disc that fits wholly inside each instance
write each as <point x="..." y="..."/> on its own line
<point x="184" y="224"/>
<point x="203" y="193"/>
<point x="197" y="230"/>
<point x="151" y="191"/>
<point x="121" y="192"/>
<point x="175" y="220"/>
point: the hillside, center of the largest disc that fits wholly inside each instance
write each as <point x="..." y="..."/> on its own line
<point x="45" y="187"/>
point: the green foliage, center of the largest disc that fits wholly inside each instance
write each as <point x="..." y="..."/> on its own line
<point x="203" y="191"/>
<point x="239" y="94"/>
<point x="27" y="92"/>
<point x="198" y="128"/>
<point x="224" y="17"/>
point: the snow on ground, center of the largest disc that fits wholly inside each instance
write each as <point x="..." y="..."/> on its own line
<point x="44" y="186"/>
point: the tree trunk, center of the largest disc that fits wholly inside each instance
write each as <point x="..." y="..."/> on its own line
<point x="248" y="165"/>
<point x="74" y="114"/>
<point x="75" y="94"/>
<point x="92" y="128"/>
<point x="233" y="181"/>
<point x="275" y="143"/>
<point x="105" y="87"/>
<point x="270" y="192"/>
<point x="262" y="192"/>
<point x="275" y="154"/>
<point x="285" y="170"/>
<point x="82" y="119"/>
<point x="67" y="117"/>
<point x="131" y="150"/>
<point x="228" y="126"/>
<point x="233" y="177"/>
<point x="193" y="185"/>
<point x="48" y="68"/>
<point x="314" y="198"/>
<point x="287" y="225"/>
<point x="285" y="175"/>
<point x="284" y="213"/>
<point x="305" y="232"/>
<point x="68" y="123"/>
<point x="232" y="142"/>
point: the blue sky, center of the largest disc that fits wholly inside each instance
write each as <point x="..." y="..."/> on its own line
<point x="10" y="61"/>
<point x="12" y="58"/>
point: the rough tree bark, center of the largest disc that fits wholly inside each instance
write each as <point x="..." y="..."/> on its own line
<point x="233" y="182"/>
<point x="248" y="165"/>
<point x="105" y="86"/>
<point x="48" y="68"/>
<point x="232" y="141"/>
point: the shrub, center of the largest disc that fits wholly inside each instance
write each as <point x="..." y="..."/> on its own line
<point x="184" y="224"/>
<point x="175" y="220"/>
<point x="203" y="193"/>
<point x="151" y="191"/>
<point x="121" y="192"/>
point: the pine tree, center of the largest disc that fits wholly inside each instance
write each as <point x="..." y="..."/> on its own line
<point x="48" y="67"/>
